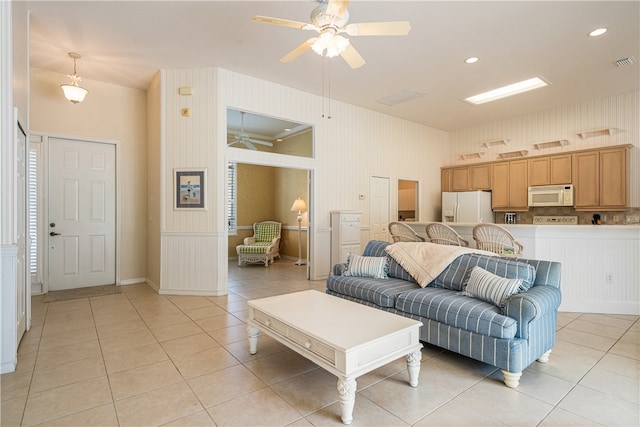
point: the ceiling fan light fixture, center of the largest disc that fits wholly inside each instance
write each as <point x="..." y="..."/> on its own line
<point x="73" y="92"/>
<point x="330" y="44"/>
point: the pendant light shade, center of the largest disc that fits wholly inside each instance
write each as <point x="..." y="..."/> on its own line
<point x="73" y="92"/>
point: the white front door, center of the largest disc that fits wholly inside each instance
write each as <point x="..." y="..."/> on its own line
<point x="82" y="210"/>
<point x="379" y="208"/>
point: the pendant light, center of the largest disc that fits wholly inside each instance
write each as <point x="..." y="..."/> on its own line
<point x="73" y="92"/>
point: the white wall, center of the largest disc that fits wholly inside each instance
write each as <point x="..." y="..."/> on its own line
<point x="109" y="112"/>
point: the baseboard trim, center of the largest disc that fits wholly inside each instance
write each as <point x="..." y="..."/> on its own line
<point x="133" y="281"/>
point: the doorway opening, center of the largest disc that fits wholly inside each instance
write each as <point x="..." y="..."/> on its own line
<point x="267" y="193"/>
<point x="408" y="200"/>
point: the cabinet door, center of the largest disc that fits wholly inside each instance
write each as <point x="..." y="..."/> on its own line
<point x="518" y="185"/>
<point x="586" y="179"/>
<point x="460" y="179"/>
<point x="500" y="185"/>
<point x="539" y="171"/>
<point x="613" y="178"/>
<point x="559" y="170"/>
<point x="445" y="180"/>
<point x="350" y="233"/>
<point x="480" y="177"/>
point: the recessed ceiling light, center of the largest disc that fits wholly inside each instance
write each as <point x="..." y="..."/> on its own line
<point x="509" y="90"/>
<point x="287" y="130"/>
<point x="471" y="60"/>
<point x="597" y="32"/>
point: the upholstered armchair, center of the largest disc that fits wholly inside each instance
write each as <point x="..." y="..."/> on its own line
<point x="263" y="246"/>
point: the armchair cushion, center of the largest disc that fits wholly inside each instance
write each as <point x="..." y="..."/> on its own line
<point x="267" y="231"/>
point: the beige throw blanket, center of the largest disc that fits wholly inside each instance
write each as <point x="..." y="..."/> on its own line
<point x="425" y="261"/>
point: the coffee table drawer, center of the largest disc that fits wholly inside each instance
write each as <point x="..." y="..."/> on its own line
<point x="270" y="322"/>
<point x="313" y="345"/>
<point x="300" y="338"/>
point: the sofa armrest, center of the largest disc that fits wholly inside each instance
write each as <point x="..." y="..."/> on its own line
<point x="531" y="305"/>
<point x="249" y="240"/>
<point x="339" y="269"/>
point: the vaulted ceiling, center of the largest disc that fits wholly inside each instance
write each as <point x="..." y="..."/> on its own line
<point x="127" y="42"/>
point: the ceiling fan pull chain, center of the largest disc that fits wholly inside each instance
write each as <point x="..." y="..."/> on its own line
<point x="326" y="86"/>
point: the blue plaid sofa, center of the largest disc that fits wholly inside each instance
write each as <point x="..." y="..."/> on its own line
<point x="510" y="338"/>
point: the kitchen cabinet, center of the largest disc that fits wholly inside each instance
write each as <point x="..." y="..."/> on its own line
<point x="510" y="186"/>
<point x="460" y="179"/>
<point x="445" y="180"/>
<point x="550" y="170"/>
<point x="468" y="178"/>
<point x="600" y="179"/>
<point x="345" y="235"/>
<point x="480" y="177"/>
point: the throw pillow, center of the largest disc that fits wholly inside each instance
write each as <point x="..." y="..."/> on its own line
<point x="367" y="266"/>
<point x="490" y="288"/>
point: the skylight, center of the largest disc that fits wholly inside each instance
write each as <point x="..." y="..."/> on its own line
<point x="505" y="91"/>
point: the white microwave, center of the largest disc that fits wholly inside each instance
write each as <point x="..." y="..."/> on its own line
<point x="551" y="195"/>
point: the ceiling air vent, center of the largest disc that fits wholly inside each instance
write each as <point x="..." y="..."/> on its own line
<point x="399" y="97"/>
<point x="623" y="62"/>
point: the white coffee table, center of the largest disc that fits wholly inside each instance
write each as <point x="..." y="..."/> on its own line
<point x="345" y="338"/>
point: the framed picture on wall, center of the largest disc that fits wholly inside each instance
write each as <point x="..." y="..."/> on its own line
<point x="190" y="188"/>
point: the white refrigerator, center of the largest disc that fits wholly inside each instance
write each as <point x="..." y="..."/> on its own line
<point x="467" y="206"/>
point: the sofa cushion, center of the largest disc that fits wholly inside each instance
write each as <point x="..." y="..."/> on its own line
<point x="367" y="266"/>
<point x="394" y="270"/>
<point x="381" y="292"/>
<point x="490" y="288"/>
<point x="451" y="308"/>
<point x="454" y="276"/>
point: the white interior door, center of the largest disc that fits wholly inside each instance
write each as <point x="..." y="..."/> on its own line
<point x="81" y="215"/>
<point x="379" y="208"/>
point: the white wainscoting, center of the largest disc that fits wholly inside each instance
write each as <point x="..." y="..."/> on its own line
<point x="191" y="264"/>
<point x="9" y="352"/>
<point x="322" y="255"/>
<point x="589" y="253"/>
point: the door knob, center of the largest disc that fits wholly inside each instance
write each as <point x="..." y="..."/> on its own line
<point x="54" y="234"/>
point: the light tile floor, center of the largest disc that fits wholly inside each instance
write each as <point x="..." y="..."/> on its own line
<point x="142" y="359"/>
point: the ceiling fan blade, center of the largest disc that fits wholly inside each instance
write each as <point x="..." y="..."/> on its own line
<point x="249" y="145"/>
<point x="337" y="7"/>
<point x="295" y="53"/>
<point x="353" y="58"/>
<point x="399" y="28"/>
<point x="278" y="21"/>
<point x="257" y="141"/>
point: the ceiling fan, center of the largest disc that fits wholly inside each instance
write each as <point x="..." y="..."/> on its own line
<point x="330" y="19"/>
<point x="245" y="139"/>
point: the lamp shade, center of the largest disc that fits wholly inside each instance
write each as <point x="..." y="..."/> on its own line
<point x="74" y="93"/>
<point x="299" y="205"/>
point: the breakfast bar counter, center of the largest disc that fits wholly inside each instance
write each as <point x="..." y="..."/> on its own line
<point x="600" y="263"/>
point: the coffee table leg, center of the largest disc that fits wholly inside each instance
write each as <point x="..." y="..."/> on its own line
<point x="413" y="366"/>
<point x="347" y="394"/>
<point x="253" y="339"/>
